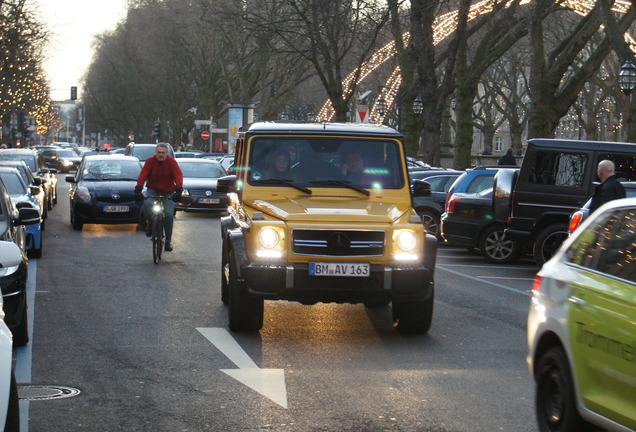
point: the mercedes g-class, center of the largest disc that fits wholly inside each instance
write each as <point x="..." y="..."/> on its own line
<point x="322" y="212"/>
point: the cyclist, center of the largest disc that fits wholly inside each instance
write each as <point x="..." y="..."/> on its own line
<point x="163" y="177"/>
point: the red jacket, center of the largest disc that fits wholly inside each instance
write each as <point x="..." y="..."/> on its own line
<point x="164" y="177"/>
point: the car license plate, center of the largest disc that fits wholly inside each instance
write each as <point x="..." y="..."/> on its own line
<point x="116" y="209"/>
<point x="209" y="200"/>
<point x="339" y="269"/>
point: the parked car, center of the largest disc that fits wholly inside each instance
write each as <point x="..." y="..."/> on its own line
<point x="577" y="218"/>
<point x="226" y="161"/>
<point x="582" y="326"/>
<point x="30" y="180"/>
<point x="34" y="161"/>
<point x="13" y="280"/>
<point x="430" y="208"/>
<point x="556" y="178"/>
<point x="188" y="154"/>
<point x="199" y="185"/>
<point x="10" y="258"/>
<point x="62" y="159"/>
<point x="144" y="151"/>
<point x="102" y="191"/>
<point x="468" y="218"/>
<point x="25" y="196"/>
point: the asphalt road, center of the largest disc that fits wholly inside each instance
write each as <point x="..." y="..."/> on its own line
<point x="148" y="349"/>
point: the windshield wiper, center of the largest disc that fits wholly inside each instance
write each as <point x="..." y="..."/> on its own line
<point x="346" y="184"/>
<point x="285" y="182"/>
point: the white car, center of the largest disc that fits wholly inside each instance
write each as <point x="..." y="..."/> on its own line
<point x="10" y="257"/>
<point x="582" y="326"/>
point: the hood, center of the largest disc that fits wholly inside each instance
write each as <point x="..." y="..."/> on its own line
<point x="199" y="183"/>
<point x="124" y="188"/>
<point x="332" y="209"/>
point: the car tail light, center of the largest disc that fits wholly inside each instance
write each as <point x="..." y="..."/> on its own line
<point x="536" y="285"/>
<point x="575" y="221"/>
<point x="450" y="203"/>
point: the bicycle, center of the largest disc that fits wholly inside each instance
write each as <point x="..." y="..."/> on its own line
<point x="157" y="227"/>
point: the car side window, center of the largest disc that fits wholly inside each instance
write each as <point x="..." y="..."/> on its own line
<point x="558" y="169"/>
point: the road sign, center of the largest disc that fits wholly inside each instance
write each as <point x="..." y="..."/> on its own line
<point x="205" y="135"/>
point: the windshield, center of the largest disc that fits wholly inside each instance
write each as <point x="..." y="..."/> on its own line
<point x="13" y="183"/>
<point x="201" y="170"/>
<point x="66" y="153"/>
<point x="326" y="162"/>
<point x="27" y="159"/>
<point x="110" y="170"/>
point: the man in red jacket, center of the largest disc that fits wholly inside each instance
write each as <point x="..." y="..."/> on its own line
<point x="163" y="177"/>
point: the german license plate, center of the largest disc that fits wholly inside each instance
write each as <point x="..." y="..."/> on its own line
<point x="116" y="209"/>
<point x="209" y="200"/>
<point x="339" y="269"/>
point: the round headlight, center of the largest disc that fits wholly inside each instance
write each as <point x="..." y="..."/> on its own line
<point x="406" y="241"/>
<point x="268" y="238"/>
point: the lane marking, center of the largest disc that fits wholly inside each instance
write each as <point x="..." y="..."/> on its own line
<point x="268" y="382"/>
<point x="485" y="281"/>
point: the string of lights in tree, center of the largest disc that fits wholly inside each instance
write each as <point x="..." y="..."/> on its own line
<point x="443" y="26"/>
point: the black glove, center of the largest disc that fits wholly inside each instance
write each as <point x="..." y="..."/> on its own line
<point x="138" y="195"/>
<point x="177" y="195"/>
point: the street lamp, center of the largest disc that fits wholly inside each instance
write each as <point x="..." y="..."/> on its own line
<point x="627" y="77"/>
<point x="380" y="105"/>
<point x="418" y="105"/>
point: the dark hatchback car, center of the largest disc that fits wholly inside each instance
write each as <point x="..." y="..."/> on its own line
<point x="430" y="208"/>
<point x="199" y="185"/>
<point x="63" y="160"/>
<point x="468" y="218"/>
<point x="34" y="161"/>
<point x="144" y="151"/>
<point x="13" y="279"/>
<point x="102" y="191"/>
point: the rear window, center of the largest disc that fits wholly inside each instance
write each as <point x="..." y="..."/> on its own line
<point x="481" y="183"/>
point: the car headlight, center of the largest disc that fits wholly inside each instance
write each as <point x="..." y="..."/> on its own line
<point x="6" y="271"/>
<point x="67" y="163"/>
<point x="270" y="242"/>
<point x="268" y="238"/>
<point x="405" y="246"/>
<point x="83" y="193"/>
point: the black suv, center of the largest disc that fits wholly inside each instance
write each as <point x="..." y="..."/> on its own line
<point x="556" y="178"/>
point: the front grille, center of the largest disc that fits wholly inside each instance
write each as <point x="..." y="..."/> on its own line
<point x="338" y="242"/>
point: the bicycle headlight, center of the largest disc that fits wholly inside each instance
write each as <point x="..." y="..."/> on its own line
<point x="156" y="208"/>
<point x="268" y="238"/>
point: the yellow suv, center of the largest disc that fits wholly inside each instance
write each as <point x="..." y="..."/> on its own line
<point x="322" y="212"/>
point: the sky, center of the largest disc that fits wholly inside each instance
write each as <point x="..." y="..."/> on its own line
<point x="72" y="24"/>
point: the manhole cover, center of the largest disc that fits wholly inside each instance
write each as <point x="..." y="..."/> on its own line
<point x="45" y="392"/>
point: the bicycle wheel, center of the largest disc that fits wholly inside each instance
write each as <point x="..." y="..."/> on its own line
<point x="157" y="239"/>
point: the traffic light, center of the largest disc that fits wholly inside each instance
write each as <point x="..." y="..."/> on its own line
<point x="73" y="93"/>
<point x="156" y="130"/>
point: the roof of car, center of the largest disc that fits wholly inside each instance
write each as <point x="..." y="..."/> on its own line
<point x="582" y="144"/>
<point x="110" y="157"/>
<point x="324" y="128"/>
<point x="197" y="160"/>
<point x="20" y="150"/>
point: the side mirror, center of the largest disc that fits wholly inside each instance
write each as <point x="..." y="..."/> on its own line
<point x="35" y="190"/>
<point x="28" y="216"/>
<point x="70" y="179"/>
<point x="10" y="254"/>
<point x="421" y="188"/>
<point x="504" y="185"/>
<point x="52" y="171"/>
<point x="226" y="184"/>
<point x="37" y="181"/>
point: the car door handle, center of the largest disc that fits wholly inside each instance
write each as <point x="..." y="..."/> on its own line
<point x="577" y="301"/>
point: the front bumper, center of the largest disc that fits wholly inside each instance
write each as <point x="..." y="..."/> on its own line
<point x="94" y="213"/>
<point x="293" y="282"/>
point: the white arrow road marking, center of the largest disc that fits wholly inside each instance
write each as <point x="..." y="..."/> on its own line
<point x="268" y="382"/>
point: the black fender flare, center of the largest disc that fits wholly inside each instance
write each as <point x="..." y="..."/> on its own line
<point x="236" y="243"/>
<point x="430" y="253"/>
